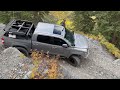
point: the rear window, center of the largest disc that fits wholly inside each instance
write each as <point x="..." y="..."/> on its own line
<point x="43" y="39"/>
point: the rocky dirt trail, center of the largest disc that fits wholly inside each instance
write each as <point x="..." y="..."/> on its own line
<point x="100" y="64"/>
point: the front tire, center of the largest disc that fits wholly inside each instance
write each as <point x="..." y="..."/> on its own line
<point x="74" y="61"/>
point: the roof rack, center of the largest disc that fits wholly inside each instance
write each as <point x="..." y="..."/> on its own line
<point x="20" y="26"/>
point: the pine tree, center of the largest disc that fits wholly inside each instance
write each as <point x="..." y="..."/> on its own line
<point x="34" y="16"/>
<point x="83" y="21"/>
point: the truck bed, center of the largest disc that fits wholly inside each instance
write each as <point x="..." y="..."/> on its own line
<point x="19" y="28"/>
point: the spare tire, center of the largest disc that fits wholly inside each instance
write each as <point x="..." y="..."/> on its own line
<point x="74" y="61"/>
<point x="22" y="50"/>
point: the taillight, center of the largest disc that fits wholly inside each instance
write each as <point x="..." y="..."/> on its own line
<point x="2" y="39"/>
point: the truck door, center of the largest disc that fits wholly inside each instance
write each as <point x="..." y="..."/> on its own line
<point x="57" y="47"/>
<point x="42" y="42"/>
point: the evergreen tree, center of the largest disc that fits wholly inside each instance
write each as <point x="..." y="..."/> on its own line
<point x="83" y="21"/>
<point x="34" y="16"/>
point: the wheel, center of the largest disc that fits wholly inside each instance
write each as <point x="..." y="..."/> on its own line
<point x="74" y="61"/>
<point x="22" y="50"/>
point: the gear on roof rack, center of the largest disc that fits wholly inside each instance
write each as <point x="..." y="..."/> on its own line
<point x="19" y="27"/>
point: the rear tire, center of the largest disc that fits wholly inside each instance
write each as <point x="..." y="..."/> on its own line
<point x="74" y="61"/>
<point x="24" y="51"/>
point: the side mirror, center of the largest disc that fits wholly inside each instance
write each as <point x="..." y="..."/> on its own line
<point x="65" y="45"/>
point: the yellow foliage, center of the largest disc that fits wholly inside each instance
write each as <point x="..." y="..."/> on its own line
<point x="41" y="61"/>
<point x="60" y="14"/>
<point x="93" y="17"/>
<point x="52" y="72"/>
<point x="22" y="56"/>
<point x="59" y="21"/>
<point x="68" y="23"/>
<point x="33" y="72"/>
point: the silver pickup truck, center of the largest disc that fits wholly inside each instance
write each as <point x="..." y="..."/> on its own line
<point x="52" y="38"/>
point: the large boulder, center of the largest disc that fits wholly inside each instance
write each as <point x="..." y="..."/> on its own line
<point x="13" y="64"/>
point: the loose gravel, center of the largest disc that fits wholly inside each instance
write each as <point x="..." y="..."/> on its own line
<point x="100" y="64"/>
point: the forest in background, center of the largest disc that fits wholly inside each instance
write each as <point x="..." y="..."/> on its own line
<point x="106" y="23"/>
